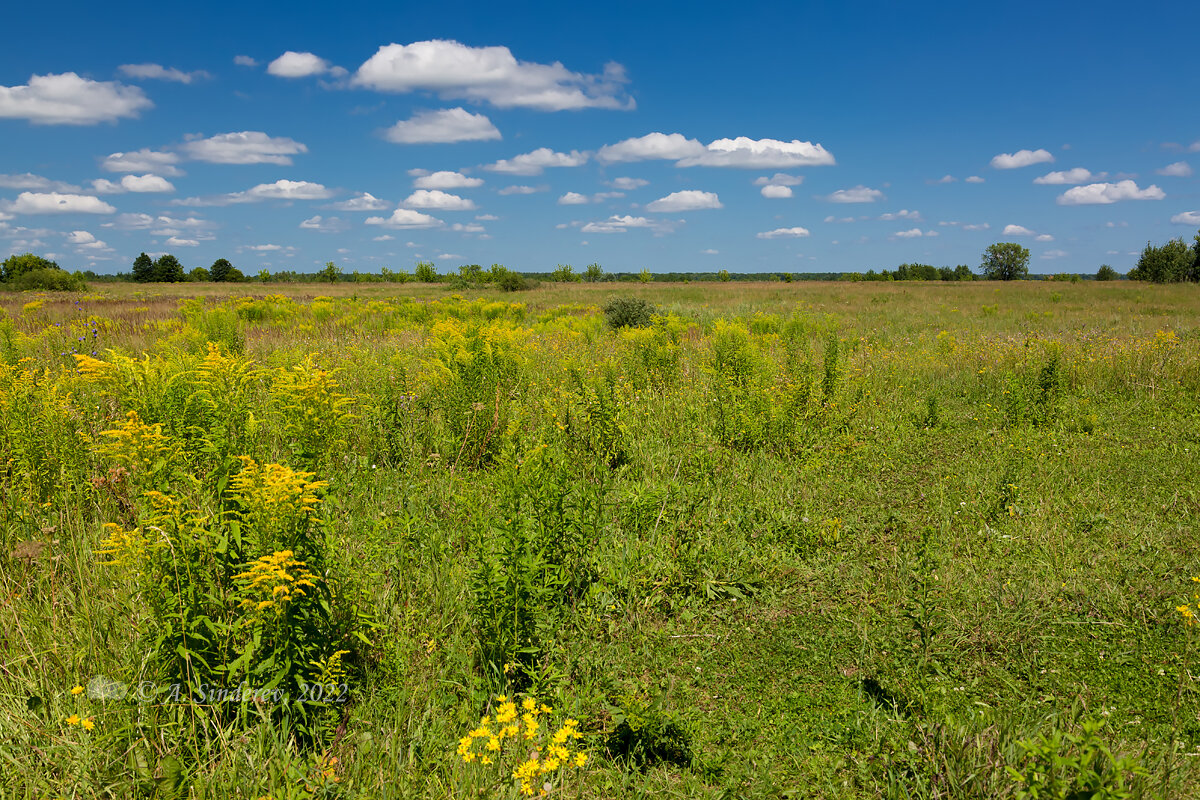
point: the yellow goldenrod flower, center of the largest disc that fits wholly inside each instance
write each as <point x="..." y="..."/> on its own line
<point x="73" y="719"/>
<point x="77" y="690"/>
<point x="87" y="724"/>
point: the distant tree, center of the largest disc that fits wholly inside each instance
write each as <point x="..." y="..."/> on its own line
<point x="1172" y="262"/>
<point x="167" y="269"/>
<point x="963" y="273"/>
<point x="724" y="276"/>
<point x="564" y="273"/>
<point x="593" y="273"/>
<point x="220" y="270"/>
<point x="234" y="275"/>
<point x="331" y="272"/>
<point x="425" y="272"/>
<point x="787" y="277"/>
<point x="644" y="276"/>
<point x="16" y="266"/>
<point x="1106" y="273"/>
<point x="1005" y="261"/>
<point x="199" y="275"/>
<point x="143" y="269"/>
<point x="472" y="273"/>
<point x="264" y="275"/>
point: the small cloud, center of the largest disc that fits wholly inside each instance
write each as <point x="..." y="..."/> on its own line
<point x="628" y="184"/>
<point x="1187" y="218"/>
<point x="774" y="191"/>
<point x="903" y="213"/>
<point x="443" y="127"/>
<point x="946" y="179"/>
<point x="405" y="218"/>
<point x="620" y="224"/>
<point x="533" y="163"/>
<point x="175" y="241"/>
<point x="1106" y="193"/>
<point x="144" y="160"/>
<point x="363" y="202"/>
<point x="161" y="73"/>
<point x="1053" y="254"/>
<point x="1043" y="237"/>
<point x="710" y="252"/>
<point x="446" y="179"/>
<point x="980" y="226"/>
<point x="243" y="147"/>
<point x="914" y="233"/>
<point x="437" y="199"/>
<point x="686" y="200"/>
<point x="133" y="183"/>
<point x="572" y="199"/>
<point x="784" y="233"/>
<point x="298" y="65"/>
<point x="1017" y="230"/>
<point x="1180" y="169"/>
<point x="779" y="179"/>
<point x="671" y="146"/>
<point x="387" y="237"/>
<point x="68" y="99"/>
<point x="858" y="194"/>
<point x="245" y="61"/>
<point x="324" y="224"/>
<point x="56" y="203"/>
<point x="1070" y="176"/>
<point x="486" y="217"/>
<point x="1021" y="158"/>
<point x="507" y="190"/>
<point x="974" y="179"/>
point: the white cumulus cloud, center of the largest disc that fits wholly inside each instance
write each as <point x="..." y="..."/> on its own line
<point x="618" y="224"/>
<point x="68" y="99"/>
<point x="160" y="73"/>
<point x="686" y="200"/>
<point x="784" y="233"/>
<point x="446" y="179"/>
<point x="443" y="127"/>
<point x="298" y="65"/>
<point x="490" y="74"/>
<point x="1106" y="193"/>
<point x="507" y="190"/>
<point x="363" y="202"/>
<point x="323" y="224"/>
<point x="56" y="203"/>
<point x="176" y="241"/>
<point x="144" y="160"/>
<point x="628" y="184"/>
<point x="1070" y="176"/>
<point x="903" y="213"/>
<point x="1180" y="169"/>
<point x="779" y="179"/>
<point x="133" y="183"/>
<point x="572" y="199"/>
<point x="27" y="180"/>
<point x="437" y="199"/>
<point x="279" y="190"/>
<point x="81" y="237"/>
<point x="1043" y="237"/>
<point x="1021" y="158"/>
<point x="775" y="191"/>
<point x="1017" y="230"/>
<point x="748" y="153"/>
<point x="857" y="194"/>
<point x="1187" y="218"/>
<point x="534" y="162"/>
<point x="974" y="179"/>
<point x="243" y="147"/>
<point x="245" y="61"/>
<point x="405" y="218"/>
<point x="672" y="146"/>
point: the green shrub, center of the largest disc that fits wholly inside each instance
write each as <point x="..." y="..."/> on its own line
<point x="1106" y="273"/>
<point x="647" y="734"/>
<point x="629" y="312"/>
<point x="53" y="280"/>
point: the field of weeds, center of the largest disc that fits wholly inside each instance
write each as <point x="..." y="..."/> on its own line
<point x="757" y="540"/>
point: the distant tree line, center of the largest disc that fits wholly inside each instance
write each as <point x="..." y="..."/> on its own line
<point x="29" y="272"/>
<point x="1173" y="262"/>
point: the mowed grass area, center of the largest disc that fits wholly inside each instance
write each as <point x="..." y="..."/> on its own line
<point x="788" y="540"/>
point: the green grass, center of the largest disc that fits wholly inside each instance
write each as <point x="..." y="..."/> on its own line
<point x="970" y="529"/>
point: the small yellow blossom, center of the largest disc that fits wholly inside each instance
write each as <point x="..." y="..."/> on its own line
<point x="87" y="724"/>
<point x="77" y="690"/>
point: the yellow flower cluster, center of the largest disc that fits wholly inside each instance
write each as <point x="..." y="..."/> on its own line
<point x="85" y="722"/>
<point x="136" y="444"/>
<point x="1189" y="615"/>
<point x="273" y="581"/>
<point x="123" y="548"/>
<point x="524" y="726"/>
<point x="273" y="491"/>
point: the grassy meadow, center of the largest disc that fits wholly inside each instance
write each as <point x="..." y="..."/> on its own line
<point x="801" y="540"/>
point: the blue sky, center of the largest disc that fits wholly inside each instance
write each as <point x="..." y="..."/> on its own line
<point x="671" y="136"/>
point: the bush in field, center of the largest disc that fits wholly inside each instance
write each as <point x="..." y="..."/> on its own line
<point x="1106" y="273"/>
<point x="1173" y="262"/>
<point x="425" y="272"/>
<point x="28" y="272"/>
<point x="1005" y="261"/>
<point x="629" y="312"/>
<point x="220" y="270"/>
<point x="564" y="273"/>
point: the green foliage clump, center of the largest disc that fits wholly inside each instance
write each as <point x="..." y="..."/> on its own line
<point x="1005" y="261"/>
<point x="1173" y="262"/>
<point x="1066" y="766"/>
<point x="28" y="272"/>
<point x="629" y="312"/>
<point x="647" y="734"/>
<point x="565" y="273"/>
<point x="1106" y="273"/>
<point x="425" y="272"/>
